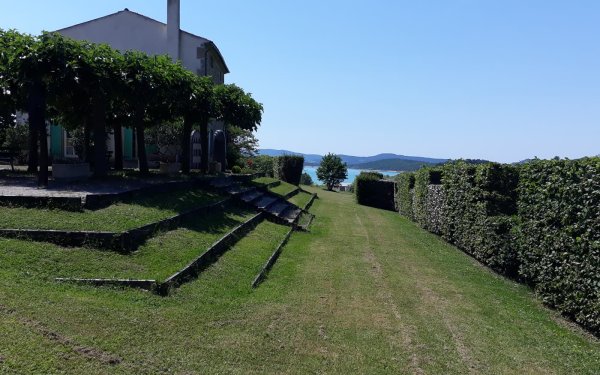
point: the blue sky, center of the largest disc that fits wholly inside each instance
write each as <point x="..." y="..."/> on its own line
<point x="500" y="80"/>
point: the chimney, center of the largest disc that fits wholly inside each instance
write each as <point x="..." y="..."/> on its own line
<point x="173" y="27"/>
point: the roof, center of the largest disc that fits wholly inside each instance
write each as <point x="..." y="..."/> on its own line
<point x="210" y="44"/>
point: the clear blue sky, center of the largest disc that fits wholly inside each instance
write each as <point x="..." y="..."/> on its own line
<point x="499" y="79"/>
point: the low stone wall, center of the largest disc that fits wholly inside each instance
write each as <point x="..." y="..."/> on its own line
<point x="271" y="261"/>
<point x="63" y="203"/>
<point x="124" y="242"/>
<point x="192" y="270"/>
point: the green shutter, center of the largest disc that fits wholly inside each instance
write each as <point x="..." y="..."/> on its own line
<point x="56" y="141"/>
<point x="127" y="143"/>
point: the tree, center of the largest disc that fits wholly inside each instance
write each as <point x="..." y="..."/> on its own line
<point x="243" y="144"/>
<point x="305" y="179"/>
<point x="332" y="170"/>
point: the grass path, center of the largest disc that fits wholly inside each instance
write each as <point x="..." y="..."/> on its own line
<point x="365" y="292"/>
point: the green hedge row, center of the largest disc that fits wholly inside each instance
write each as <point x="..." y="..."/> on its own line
<point x="559" y="208"/>
<point x="372" y="190"/>
<point x="538" y="222"/>
<point x="288" y="168"/>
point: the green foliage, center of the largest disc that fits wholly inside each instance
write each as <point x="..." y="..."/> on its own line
<point x="478" y="208"/>
<point x="241" y="144"/>
<point x="426" y="214"/>
<point x="405" y="183"/>
<point x="288" y="168"/>
<point x="559" y="208"/>
<point x="372" y="191"/>
<point x="332" y="170"/>
<point x="236" y="107"/>
<point x="305" y="179"/>
<point x="236" y="169"/>
<point x="263" y="164"/>
<point x="14" y="137"/>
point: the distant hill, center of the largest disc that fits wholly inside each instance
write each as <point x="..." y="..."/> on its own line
<point x="391" y="165"/>
<point x="313" y="159"/>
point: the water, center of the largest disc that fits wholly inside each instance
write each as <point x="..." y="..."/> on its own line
<point x="352" y="173"/>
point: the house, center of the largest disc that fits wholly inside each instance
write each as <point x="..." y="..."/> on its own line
<point x="127" y="30"/>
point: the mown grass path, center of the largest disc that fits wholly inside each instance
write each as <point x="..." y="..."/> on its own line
<point x="365" y="292"/>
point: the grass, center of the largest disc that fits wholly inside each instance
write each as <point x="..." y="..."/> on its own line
<point x="264" y="180"/>
<point x="283" y="189"/>
<point x="118" y="217"/>
<point x="300" y="199"/>
<point x="157" y="259"/>
<point x="365" y="291"/>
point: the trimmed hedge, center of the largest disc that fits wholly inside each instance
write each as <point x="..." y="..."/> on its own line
<point x="424" y="211"/>
<point x="539" y="222"/>
<point x="480" y="201"/>
<point x="372" y="191"/>
<point x="559" y="207"/>
<point x="405" y="183"/>
<point x="288" y="168"/>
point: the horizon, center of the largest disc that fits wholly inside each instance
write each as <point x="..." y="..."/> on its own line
<point x="497" y="81"/>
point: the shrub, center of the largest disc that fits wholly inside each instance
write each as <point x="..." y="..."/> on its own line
<point x="288" y="168"/>
<point x="479" y="203"/>
<point x="559" y="208"/>
<point x="305" y="179"/>
<point x="236" y="169"/>
<point x="263" y="164"/>
<point x="372" y="191"/>
<point x="405" y="183"/>
<point x="425" y="213"/>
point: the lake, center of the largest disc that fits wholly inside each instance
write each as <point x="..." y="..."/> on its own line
<point x="352" y="173"/>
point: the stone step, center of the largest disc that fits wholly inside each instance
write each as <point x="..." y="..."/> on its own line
<point x="278" y="207"/>
<point x="264" y="202"/>
<point x="251" y="195"/>
<point x="238" y="189"/>
<point x="222" y="182"/>
<point x="291" y="213"/>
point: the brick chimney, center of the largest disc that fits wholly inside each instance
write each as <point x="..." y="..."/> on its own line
<point x="173" y="28"/>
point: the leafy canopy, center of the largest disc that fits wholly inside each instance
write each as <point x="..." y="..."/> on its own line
<point x="332" y="170"/>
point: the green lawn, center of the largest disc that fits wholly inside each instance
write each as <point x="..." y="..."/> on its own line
<point x="300" y="199"/>
<point x="137" y="212"/>
<point x="365" y="291"/>
<point x="264" y="180"/>
<point x="157" y="259"/>
<point x="283" y="189"/>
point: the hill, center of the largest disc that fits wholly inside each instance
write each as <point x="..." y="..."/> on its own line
<point x="351" y="160"/>
<point x="391" y="165"/>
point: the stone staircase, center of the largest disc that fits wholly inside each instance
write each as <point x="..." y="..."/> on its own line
<point x="269" y="203"/>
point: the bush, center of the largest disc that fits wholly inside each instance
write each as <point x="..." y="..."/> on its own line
<point x="405" y="183"/>
<point x="425" y="213"/>
<point x="332" y="170"/>
<point x="305" y="179"/>
<point x="263" y="164"/>
<point x="372" y="191"/>
<point x="559" y="208"/>
<point x="479" y="204"/>
<point x="288" y="168"/>
<point x="236" y="169"/>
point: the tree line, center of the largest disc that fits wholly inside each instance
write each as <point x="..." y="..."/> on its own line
<point x="96" y="89"/>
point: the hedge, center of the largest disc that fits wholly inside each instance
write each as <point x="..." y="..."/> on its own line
<point x="538" y="222"/>
<point x="480" y="201"/>
<point x="372" y="190"/>
<point x="559" y="208"/>
<point x="288" y="168"/>
<point x="405" y="183"/>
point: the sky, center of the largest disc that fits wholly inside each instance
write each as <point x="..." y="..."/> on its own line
<point x="501" y="80"/>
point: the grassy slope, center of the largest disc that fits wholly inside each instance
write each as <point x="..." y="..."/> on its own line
<point x="117" y="217"/>
<point x="365" y="292"/>
<point x="300" y="199"/>
<point x="283" y="188"/>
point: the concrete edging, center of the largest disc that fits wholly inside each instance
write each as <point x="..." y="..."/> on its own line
<point x="124" y="242"/>
<point x="271" y="261"/>
<point x="194" y="268"/>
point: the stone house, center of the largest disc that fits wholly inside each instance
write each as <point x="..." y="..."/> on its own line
<point x="126" y="30"/>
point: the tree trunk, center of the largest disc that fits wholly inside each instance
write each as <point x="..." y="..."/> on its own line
<point x="204" y="146"/>
<point x="99" y="126"/>
<point x="118" y="134"/>
<point x="186" y="154"/>
<point x="32" y="158"/>
<point x="37" y="121"/>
